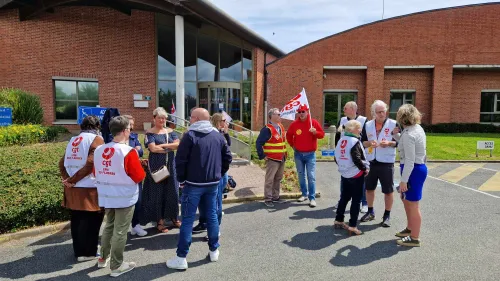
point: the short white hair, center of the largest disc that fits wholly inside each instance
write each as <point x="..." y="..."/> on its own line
<point x="160" y="111"/>
<point x="352" y="104"/>
<point x="378" y="103"/>
<point x="272" y="111"/>
<point x="352" y="125"/>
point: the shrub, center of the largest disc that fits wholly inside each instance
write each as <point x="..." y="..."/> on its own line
<point x="26" y="108"/>
<point x="30" y="189"/>
<point x="28" y="134"/>
<point x="461" y="128"/>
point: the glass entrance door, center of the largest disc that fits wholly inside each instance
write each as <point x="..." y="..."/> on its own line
<point x="220" y="96"/>
<point x="334" y="107"/>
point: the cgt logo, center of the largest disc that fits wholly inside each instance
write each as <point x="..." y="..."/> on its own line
<point x="386" y="131"/>
<point x="75" y="144"/>
<point x="343" y="144"/>
<point x="106" y="155"/>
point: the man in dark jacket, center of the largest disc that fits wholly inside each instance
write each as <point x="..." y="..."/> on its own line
<point x="202" y="158"/>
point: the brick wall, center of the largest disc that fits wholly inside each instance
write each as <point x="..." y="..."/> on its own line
<point x="258" y="110"/>
<point x="442" y="38"/>
<point x="466" y="93"/>
<point x="85" y="42"/>
<point x="348" y="80"/>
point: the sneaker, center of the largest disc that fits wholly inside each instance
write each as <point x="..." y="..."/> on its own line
<point x="101" y="263"/>
<point x="403" y="233"/>
<point x="199" y="228"/>
<point x="137" y="230"/>
<point x="124" y="268"/>
<point x="279" y="201"/>
<point x="98" y="255"/>
<point x="177" y="263"/>
<point x="312" y="204"/>
<point x="336" y="206"/>
<point x="368" y="217"/>
<point x="81" y="259"/>
<point x="214" y="256"/>
<point x="364" y="209"/>
<point x="302" y="199"/>
<point x="409" y="242"/>
<point x="269" y="204"/>
<point x="386" y="222"/>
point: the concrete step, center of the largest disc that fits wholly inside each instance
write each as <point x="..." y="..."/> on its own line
<point x="240" y="162"/>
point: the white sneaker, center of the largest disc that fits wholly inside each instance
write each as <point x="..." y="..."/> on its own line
<point x="137" y="230"/>
<point x="101" y="263"/>
<point x="364" y="209"/>
<point x="214" y="256"/>
<point x="312" y="204"/>
<point x="81" y="259"/>
<point x="302" y="199"/>
<point x="124" y="268"/>
<point x="177" y="263"/>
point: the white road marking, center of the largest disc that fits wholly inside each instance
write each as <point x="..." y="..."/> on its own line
<point x="462" y="186"/>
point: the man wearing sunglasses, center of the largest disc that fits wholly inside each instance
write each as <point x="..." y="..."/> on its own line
<point x="303" y="135"/>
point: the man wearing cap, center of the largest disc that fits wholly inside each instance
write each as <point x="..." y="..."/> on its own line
<point x="303" y="135"/>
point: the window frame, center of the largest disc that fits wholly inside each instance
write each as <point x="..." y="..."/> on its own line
<point x="77" y="80"/>
<point x="496" y="110"/>
<point x="404" y="93"/>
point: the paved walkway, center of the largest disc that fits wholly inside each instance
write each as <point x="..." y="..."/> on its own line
<point x="249" y="181"/>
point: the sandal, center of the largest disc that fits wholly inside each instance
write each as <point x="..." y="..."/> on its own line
<point x="176" y="223"/>
<point x="161" y="227"/>
<point x="354" y="230"/>
<point x="340" y="225"/>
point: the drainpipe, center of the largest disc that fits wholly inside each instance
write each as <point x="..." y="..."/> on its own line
<point x="265" y="89"/>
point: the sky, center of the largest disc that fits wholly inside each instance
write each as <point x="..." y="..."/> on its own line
<point x="290" y="24"/>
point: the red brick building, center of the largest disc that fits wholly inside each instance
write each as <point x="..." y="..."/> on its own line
<point x="133" y="55"/>
<point x="446" y="62"/>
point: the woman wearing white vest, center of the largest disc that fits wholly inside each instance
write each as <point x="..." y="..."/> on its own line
<point x="117" y="171"/>
<point x="350" y="112"/>
<point x="80" y="192"/>
<point x="353" y="167"/>
<point x="412" y="153"/>
<point x="380" y="148"/>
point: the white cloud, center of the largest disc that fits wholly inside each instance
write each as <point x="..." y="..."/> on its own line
<point x="298" y="22"/>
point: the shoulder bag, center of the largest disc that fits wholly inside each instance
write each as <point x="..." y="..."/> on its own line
<point x="162" y="173"/>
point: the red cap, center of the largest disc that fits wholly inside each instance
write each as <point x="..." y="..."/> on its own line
<point x="303" y="107"/>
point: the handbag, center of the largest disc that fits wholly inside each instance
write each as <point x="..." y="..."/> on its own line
<point x="162" y="173"/>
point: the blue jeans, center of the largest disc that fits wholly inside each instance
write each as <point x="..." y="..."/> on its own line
<point x="203" y="219"/>
<point x="306" y="162"/>
<point x="363" y="197"/>
<point x="192" y="196"/>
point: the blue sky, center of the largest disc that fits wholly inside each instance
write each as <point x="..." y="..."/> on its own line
<point x="298" y="22"/>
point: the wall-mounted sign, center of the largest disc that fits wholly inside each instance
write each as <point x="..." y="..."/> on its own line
<point x="137" y="97"/>
<point x="84" y="111"/>
<point x="5" y="116"/>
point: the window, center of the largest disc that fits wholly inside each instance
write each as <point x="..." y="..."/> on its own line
<point x="398" y="99"/>
<point x="230" y="62"/>
<point x="72" y="94"/>
<point x="490" y="107"/>
<point x="334" y="105"/>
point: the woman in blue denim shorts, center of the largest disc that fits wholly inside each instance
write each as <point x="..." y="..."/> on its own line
<point x="412" y="153"/>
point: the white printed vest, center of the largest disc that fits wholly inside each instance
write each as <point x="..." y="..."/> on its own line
<point x="383" y="155"/>
<point x="347" y="168"/>
<point x="75" y="158"/>
<point x="343" y="121"/>
<point x="115" y="188"/>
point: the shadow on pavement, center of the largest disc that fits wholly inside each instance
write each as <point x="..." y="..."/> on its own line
<point x="325" y="236"/>
<point x="353" y="256"/>
<point x="327" y="213"/>
<point x="250" y="207"/>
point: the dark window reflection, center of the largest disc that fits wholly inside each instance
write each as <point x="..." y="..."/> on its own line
<point x="190" y="97"/>
<point x="230" y="62"/>
<point x="247" y="104"/>
<point x="166" y="53"/>
<point x="88" y="91"/>
<point x="247" y="65"/>
<point x="487" y="102"/>
<point x="207" y="59"/>
<point x="66" y="110"/>
<point x="189" y="57"/>
<point x="65" y="90"/>
<point x="234" y="109"/>
<point x="166" y="94"/>
<point x="72" y="94"/>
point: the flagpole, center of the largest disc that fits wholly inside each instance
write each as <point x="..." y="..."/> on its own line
<point x="310" y="118"/>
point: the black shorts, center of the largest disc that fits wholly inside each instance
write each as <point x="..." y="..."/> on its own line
<point x="383" y="172"/>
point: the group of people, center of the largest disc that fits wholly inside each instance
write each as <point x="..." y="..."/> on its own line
<point x="109" y="179"/>
<point x="365" y="153"/>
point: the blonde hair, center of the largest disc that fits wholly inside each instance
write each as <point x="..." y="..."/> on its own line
<point x="378" y="103"/>
<point x="129" y="117"/>
<point x="408" y="115"/>
<point x="352" y="104"/>
<point x="216" y="118"/>
<point x="352" y="125"/>
<point x="160" y="111"/>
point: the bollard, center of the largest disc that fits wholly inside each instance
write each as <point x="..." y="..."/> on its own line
<point x="331" y="141"/>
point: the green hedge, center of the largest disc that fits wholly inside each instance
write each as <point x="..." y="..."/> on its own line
<point x="26" y="108"/>
<point x="461" y="128"/>
<point x="30" y="189"/>
<point x="29" y="134"/>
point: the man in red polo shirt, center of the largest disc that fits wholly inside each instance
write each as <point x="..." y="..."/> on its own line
<point x="303" y="135"/>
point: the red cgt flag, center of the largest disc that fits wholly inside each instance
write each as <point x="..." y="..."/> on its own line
<point x="172" y="109"/>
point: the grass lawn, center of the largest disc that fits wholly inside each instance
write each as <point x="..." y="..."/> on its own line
<point x="460" y="146"/>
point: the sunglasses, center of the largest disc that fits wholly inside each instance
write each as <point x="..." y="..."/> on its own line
<point x="301" y="111"/>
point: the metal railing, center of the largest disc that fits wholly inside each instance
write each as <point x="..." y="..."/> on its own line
<point x="241" y="138"/>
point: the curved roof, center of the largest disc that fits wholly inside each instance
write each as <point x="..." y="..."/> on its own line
<point x="378" y="22"/>
<point x="196" y="9"/>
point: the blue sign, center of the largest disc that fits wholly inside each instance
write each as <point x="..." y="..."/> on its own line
<point x="84" y="111"/>
<point x="5" y="116"/>
<point x="328" y="152"/>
